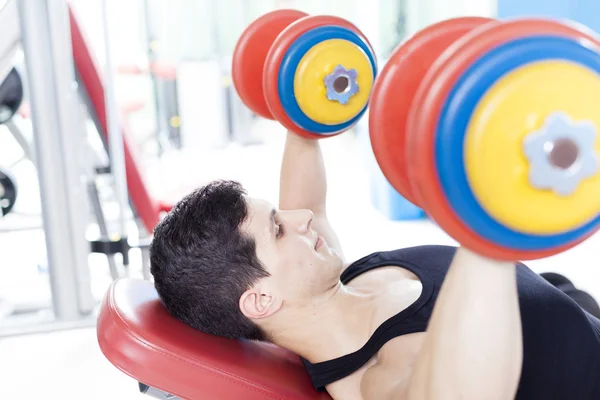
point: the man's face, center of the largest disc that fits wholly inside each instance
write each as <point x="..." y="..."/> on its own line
<point x="301" y="264"/>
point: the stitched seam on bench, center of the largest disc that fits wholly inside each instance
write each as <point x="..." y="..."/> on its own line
<point x="237" y="380"/>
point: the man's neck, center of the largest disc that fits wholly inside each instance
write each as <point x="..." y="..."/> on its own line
<point x="338" y="325"/>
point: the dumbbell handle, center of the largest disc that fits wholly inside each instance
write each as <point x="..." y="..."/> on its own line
<point x="115" y="134"/>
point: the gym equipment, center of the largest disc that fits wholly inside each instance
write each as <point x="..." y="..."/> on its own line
<point x="313" y="74"/>
<point x="496" y="136"/>
<point x="59" y="68"/>
<point x="437" y="73"/>
<point x="11" y="96"/>
<point x="57" y="123"/>
<point x="8" y="192"/>
<point x="136" y="334"/>
<point x="146" y="207"/>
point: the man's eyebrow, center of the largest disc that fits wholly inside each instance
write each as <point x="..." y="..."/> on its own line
<point x="272" y="221"/>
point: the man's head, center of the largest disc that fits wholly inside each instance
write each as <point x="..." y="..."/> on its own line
<point x="226" y="264"/>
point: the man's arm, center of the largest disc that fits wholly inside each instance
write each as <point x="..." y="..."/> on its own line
<point x="473" y="347"/>
<point x="303" y="184"/>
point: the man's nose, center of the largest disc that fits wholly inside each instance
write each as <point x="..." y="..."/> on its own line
<point x="308" y="219"/>
<point x="301" y="219"/>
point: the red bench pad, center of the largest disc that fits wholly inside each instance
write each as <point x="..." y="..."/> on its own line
<point x="139" y="337"/>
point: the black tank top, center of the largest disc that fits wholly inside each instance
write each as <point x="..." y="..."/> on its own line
<point x="561" y="342"/>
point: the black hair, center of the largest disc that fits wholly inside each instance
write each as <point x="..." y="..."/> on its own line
<point x="202" y="262"/>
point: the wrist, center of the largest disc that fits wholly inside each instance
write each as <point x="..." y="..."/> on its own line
<point x="298" y="144"/>
<point x="468" y="258"/>
<point x="291" y="136"/>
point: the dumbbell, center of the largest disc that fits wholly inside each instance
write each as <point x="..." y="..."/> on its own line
<point x="11" y="95"/>
<point x="8" y="192"/>
<point x="492" y="128"/>
<point x="313" y="74"/>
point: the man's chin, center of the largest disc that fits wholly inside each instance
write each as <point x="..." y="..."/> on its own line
<point x="333" y="253"/>
<point x="336" y="261"/>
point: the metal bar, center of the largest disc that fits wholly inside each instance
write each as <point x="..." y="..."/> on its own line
<point x="99" y="213"/>
<point x="93" y="115"/>
<point x="115" y="135"/>
<point x="152" y="42"/>
<point x="85" y="98"/>
<point x="156" y="393"/>
<point x="58" y="124"/>
<point x="20" y="138"/>
<point x="144" y="246"/>
<point x="77" y="166"/>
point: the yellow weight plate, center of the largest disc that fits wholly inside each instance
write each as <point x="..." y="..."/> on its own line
<point x="320" y="61"/>
<point x="496" y="164"/>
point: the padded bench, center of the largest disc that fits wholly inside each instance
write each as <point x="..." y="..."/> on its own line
<point x="170" y="360"/>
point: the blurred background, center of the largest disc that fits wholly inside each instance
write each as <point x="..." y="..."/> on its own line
<point x="73" y="220"/>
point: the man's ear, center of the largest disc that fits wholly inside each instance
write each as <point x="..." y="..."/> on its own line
<point x="257" y="304"/>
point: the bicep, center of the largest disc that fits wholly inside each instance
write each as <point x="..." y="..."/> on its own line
<point x="323" y="226"/>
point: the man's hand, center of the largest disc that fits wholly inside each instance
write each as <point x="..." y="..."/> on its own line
<point x="303" y="184"/>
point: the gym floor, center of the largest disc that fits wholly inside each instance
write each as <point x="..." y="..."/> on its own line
<point x="70" y="365"/>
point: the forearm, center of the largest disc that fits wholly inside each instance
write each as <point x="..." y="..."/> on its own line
<point x="303" y="182"/>
<point x="473" y="348"/>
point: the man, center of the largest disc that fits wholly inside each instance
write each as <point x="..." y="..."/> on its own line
<point x="382" y="327"/>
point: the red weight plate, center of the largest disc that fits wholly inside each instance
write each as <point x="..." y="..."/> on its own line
<point x="427" y="106"/>
<point x="275" y="56"/>
<point x="250" y="53"/>
<point x="395" y="89"/>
